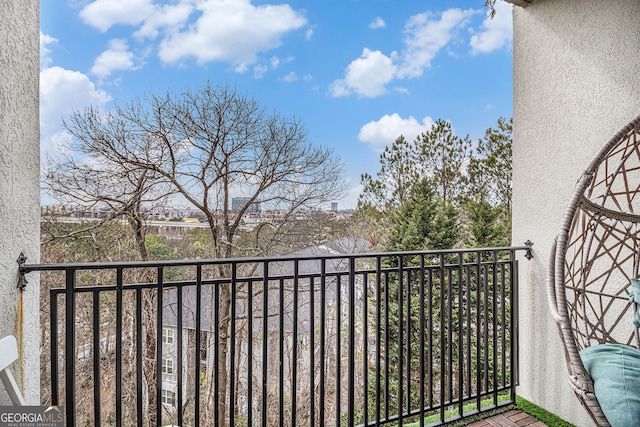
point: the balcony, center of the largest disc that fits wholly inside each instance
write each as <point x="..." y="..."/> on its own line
<point x="341" y="340"/>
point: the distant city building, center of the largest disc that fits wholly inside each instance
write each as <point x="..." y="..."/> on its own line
<point x="334" y="207"/>
<point x="237" y="203"/>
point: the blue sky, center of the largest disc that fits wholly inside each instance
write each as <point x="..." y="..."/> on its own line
<point x="358" y="72"/>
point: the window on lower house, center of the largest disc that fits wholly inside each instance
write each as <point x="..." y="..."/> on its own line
<point x="167" y="366"/>
<point x="168" y="397"/>
<point x="167" y="335"/>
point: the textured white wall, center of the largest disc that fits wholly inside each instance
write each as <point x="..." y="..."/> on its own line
<point x="19" y="181"/>
<point x="576" y="83"/>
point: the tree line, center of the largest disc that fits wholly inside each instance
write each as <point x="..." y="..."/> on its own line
<point x="437" y="193"/>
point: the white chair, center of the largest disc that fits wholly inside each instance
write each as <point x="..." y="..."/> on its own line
<point x="8" y="355"/>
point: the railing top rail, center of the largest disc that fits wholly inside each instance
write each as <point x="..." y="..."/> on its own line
<point x="26" y="268"/>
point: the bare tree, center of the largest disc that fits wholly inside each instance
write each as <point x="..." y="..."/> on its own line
<point x="89" y="175"/>
<point x="207" y="145"/>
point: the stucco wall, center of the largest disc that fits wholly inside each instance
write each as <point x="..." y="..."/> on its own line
<point x="19" y="181"/>
<point x="576" y="83"/>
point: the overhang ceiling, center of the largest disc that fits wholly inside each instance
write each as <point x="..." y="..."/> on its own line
<point x="521" y="3"/>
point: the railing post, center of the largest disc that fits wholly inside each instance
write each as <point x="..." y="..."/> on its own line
<point x="515" y="325"/>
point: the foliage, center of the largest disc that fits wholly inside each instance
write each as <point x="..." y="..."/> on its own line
<point x="158" y="250"/>
<point x="199" y="243"/>
<point x="398" y="171"/>
<point x="422" y="222"/>
<point x="437" y="155"/>
<point x="414" y="203"/>
<point x="443" y="155"/>
<point x="489" y="226"/>
<point x="490" y="171"/>
<point x="79" y="242"/>
<point x="413" y="220"/>
<point x="435" y="193"/>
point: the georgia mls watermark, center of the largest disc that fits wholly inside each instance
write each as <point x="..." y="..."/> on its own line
<point x="31" y="416"/>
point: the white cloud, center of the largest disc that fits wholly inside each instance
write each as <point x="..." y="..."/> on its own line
<point x="62" y="92"/>
<point x="496" y="33"/>
<point x="45" y="52"/>
<point x="232" y="31"/>
<point x="272" y="63"/>
<point x="290" y="77"/>
<point x="425" y="37"/>
<point x="168" y="17"/>
<point x="366" y="76"/>
<point x="377" y="23"/>
<point x="259" y="71"/>
<point x="308" y="34"/>
<point x="378" y="134"/>
<point x="103" y="14"/>
<point x="117" y="57"/>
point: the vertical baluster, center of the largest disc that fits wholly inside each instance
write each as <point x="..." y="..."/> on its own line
<point x="139" y="365"/>
<point x="265" y="339"/>
<point x="442" y="339"/>
<point x="198" y="345"/>
<point x="232" y="346"/>
<point x="478" y="356"/>
<point x="323" y="335"/>
<point x="469" y="322"/>
<point x="430" y="337"/>
<point x="159" y="308"/>
<point x="312" y="352"/>
<point x="281" y="354"/>
<point x="400" y="337"/>
<point x="96" y="357"/>
<point x="249" y="312"/>
<point x="352" y="346"/>
<point x="460" y="284"/>
<point x="407" y="343"/>
<point x="54" y="355"/>
<point x="365" y="345"/>
<point x="179" y="354"/>
<point x="378" y="337"/>
<point x="294" y="373"/>
<point x="421" y="365"/>
<point x="494" y="297"/>
<point x="70" y="346"/>
<point x="338" y="349"/>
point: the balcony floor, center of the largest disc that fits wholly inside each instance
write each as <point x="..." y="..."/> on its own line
<point x="511" y="418"/>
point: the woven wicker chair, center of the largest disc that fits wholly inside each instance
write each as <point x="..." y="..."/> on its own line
<point x="594" y="257"/>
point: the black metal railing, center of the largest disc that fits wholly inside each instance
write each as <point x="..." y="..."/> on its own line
<point x="339" y="340"/>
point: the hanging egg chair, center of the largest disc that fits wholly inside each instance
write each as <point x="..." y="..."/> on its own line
<point x="592" y="286"/>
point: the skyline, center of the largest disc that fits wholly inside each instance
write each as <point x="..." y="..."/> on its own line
<point x="359" y="74"/>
